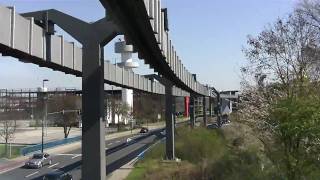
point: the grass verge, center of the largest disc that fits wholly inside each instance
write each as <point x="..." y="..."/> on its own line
<point x="15" y="151"/>
<point x="228" y="153"/>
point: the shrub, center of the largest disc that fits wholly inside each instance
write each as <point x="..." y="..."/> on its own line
<point x="206" y="154"/>
<point x="194" y="145"/>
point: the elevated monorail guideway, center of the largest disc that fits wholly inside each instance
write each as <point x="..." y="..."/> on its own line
<point x="23" y="39"/>
<point x="144" y="25"/>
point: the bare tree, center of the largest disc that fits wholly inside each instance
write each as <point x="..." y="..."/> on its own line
<point x="284" y="52"/>
<point x="311" y="11"/>
<point x="110" y="103"/>
<point x="121" y="110"/>
<point x="125" y="111"/>
<point x="109" y="108"/>
<point x="68" y="108"/>
<point x="7" y="131"/>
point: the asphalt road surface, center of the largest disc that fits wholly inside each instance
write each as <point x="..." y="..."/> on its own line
<point x="118" y="153"/>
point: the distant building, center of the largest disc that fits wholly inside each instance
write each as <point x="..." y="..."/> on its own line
<point x="233" y="97"/>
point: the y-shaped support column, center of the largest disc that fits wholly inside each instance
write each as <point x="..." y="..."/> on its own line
<point x="93" y="132"/>
<point x="93" y="37"/>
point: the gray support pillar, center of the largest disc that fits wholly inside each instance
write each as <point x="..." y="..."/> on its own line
<point x="219" y="111"/>
<point x="93" y="131"/>
<point x="170" y="108"/>
<point x="92" y="36"/>
<point x="169" y="115"/>
<point x="210" y="106"/>
<point x="174" y="111"/>
<point x="192" y="111"/>
<point x="204" y="111"/>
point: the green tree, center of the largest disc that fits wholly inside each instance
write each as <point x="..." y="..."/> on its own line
<point x="297" y="131"/>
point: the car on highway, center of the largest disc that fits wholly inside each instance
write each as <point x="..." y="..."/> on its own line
<point x="129" y="140"/>
<point x="144" y="130"/>
<point x="212" y="126"/>
<point x="163" y="133"/>
<point x="39" y="160"/>
<point x="57" y="175"/>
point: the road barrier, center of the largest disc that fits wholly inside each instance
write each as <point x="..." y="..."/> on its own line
<point x="35" y="148"/>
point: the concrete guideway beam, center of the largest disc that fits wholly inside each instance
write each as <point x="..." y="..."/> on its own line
<point x="34" y="41"/>
<point x="137" y="19"/>
<point x="93" y="38"/>
<point x="175" y="90"/>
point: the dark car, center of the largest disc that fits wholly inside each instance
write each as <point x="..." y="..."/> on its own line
<point x="39" y="160"/>
<point x="144" y="130"/>
<point x="212" y="126"/>
<point x="57" y="175"/>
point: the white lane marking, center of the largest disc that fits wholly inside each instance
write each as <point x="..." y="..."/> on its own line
<point x="109" y="144"/>
<point x="53" y="165"/>
<point x="67" y="154"/>
<point x="107" y="148"/>
<point x="76" y="156"/>
<point x="118" y="141"/>
<point x="32" y="174"/>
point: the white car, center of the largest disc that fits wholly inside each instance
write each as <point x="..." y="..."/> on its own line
<point x="163" y="132"/>
<point x="129" y="139"/>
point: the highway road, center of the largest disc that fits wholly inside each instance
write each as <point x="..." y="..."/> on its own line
<point x="118" y="153"/>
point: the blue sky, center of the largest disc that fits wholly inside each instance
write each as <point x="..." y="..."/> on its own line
<point x="208" y="35"/>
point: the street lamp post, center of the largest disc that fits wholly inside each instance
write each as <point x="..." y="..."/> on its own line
<point x="45" y="113"/>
